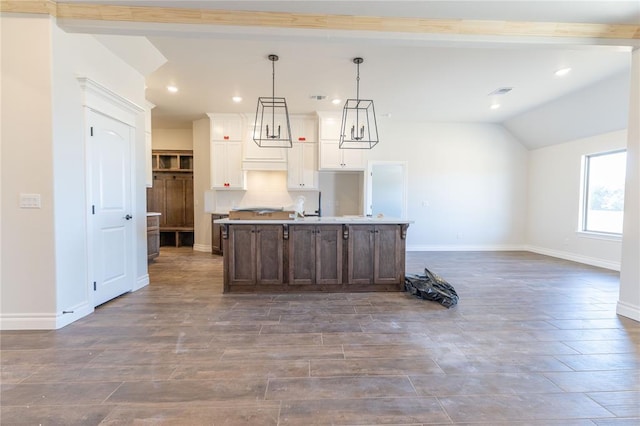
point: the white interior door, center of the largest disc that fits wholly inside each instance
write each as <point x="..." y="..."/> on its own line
<point x="111" y="197"/>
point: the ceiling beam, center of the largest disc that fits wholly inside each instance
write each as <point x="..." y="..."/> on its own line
<point x="449" y="27"/>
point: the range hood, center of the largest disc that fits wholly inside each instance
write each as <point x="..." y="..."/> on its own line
<point x="257" y="158"/>
<point x="264" y="166"/>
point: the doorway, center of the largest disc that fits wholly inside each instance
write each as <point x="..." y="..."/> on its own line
<point x="387" y="183"/>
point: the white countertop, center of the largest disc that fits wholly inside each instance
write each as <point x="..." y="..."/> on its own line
<point x="325" y="220"/>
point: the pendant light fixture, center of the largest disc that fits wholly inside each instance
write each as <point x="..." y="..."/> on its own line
<point x="272" y="128"/>
<point x="359" y="129"/>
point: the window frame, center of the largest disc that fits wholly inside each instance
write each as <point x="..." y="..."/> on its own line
<point x="584" y="198"/>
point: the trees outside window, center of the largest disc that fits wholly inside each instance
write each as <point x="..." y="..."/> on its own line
<point x="603" y="196"/>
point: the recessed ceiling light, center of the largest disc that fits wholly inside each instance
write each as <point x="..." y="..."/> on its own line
<point x="237" y="99"/>
<point x="495" y="106"/>
<point x="172" y="89"/>
<point x="562" y="72"/>
<point x="336" y="101"/>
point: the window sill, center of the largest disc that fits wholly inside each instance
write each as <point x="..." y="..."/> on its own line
<point x="599" y="236"/>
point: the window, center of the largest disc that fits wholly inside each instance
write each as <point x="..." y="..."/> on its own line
<point x="603" y="196"/>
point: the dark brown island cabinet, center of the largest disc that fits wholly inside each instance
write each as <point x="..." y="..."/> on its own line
<point x="330" y="255"/>
<point x="216" y="233"/>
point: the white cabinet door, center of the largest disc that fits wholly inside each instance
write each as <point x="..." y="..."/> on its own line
<point x="235" y="174"/>
<point x="226" y="127"/>
<point x="302" y="172"/>
<point x="330" y="126"/>
<point x="353" y="159"/>
<point x="226" y="165"/>
<point x="334" y="158"/>
<point x="304" y="129"/>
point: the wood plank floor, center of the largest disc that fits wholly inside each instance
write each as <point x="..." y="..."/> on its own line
<point x="533" y="341"/>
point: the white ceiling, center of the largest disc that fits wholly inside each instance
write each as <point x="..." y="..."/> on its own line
<point x="412" y="77"/>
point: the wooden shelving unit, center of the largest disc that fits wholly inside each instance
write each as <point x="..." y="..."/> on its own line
<point x="172" y="196"/>
<point x="172" y="161"/>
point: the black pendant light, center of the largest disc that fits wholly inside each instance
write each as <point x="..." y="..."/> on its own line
<point x="359" y="129"/>
<point x="272" y="128"/>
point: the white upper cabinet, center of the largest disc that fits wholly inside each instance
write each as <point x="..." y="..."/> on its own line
<point x="302" y="165"/>
<point x="331" y="156"/>
<point x="302" y="170"/>
<point x="304" y="128"/>
<point x="226" y="151"/>
<point x="226" y="127"/>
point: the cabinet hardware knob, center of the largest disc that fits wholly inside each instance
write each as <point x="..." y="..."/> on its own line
<point x="128" y="217"/>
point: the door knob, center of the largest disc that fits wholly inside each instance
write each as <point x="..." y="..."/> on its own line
<point x="128" y="217"/>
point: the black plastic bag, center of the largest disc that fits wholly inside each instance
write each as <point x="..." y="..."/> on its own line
<point x="431" y="286"/>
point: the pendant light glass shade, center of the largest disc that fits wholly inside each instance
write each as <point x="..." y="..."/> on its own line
<point x="272" y="128"/>
<point x="359" y="129"/>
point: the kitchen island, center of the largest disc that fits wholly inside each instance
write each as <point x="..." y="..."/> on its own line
<point x="328" y="254"/>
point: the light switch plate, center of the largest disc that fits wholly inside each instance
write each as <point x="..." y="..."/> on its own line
<point x="30" y="201"/>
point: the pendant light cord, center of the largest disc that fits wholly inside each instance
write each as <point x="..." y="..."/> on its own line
<point x="357" y="96"/>
<point x="358" y="82"/>
<point x="273" y="95"/>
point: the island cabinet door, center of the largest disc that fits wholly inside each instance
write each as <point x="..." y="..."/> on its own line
<point x="302" y="255"/>
<point x="328" y="248"/>
<point x="269" y="252"/>
<point x="361" y="240"/>
<point x="388" y="258"/>
<point x="315" y="255"/>
<point x="255" y="255"/>
<point x="242" y="249"/>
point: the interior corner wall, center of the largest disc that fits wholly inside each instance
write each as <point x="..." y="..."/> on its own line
<point x="201" y="178"/>
<point x="468" y="183"/>
<point x="28" y="292"/>
<point x="554" y="202"/>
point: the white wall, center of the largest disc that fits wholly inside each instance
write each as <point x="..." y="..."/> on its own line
<point x="467" y="183"/>
<point x="554" y="202"/>
<point x="44" y="256"/>
<point x="28" y="261"/>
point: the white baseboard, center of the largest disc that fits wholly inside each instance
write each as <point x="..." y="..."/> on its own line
<point x="44" y="321"/>
<point x="629" y="311"/>
<point x="467" y="248"/>
<point x="32" y="321"/>
<point x="601" y="263"/>
<point x="142" y="281"/>
<point x="202" y="247"/>
<point x="73" y="314"/>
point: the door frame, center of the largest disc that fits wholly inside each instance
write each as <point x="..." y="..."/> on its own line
<point x="101" y="100"/>
<point x="368" y="184"/>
